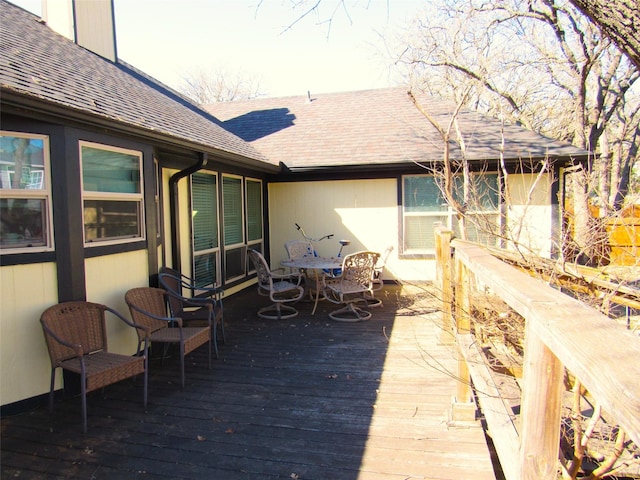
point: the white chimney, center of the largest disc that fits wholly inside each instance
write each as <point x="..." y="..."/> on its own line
<point x="89" y="23"/>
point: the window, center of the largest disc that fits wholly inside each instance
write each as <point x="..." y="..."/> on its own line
<point x="242" y="223"/>
<point x="112" y="194"/>
<point x="423" y="204"/>
<point x="254" y="211"/>
<point x="204" y="227"/>
<point x="25" y="193"/>
<point x="254" y="215"/>
<point x="233" y="221"/>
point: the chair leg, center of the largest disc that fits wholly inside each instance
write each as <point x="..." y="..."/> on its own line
<point x="146" y="379"/>
<point x="224" y="338"/>
<point x="280" y="312"/>
<point x="83" y="394"/>
<point x="182" y="364"/>
<point x="350" y="313"/>
<point x="214" y="333"/>
<point x="53" y="381"/>
<point x="214" y="342"/>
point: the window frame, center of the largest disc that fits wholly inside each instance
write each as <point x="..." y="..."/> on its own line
<point x="43" y="194"/>
<point x="256" y="244"/>
<point x="241" y="246"/>
<point x="215" y="250"/>
<point x="260" y="240"/>
<point x="89" y="195"/>
<point x="446" y="213"/>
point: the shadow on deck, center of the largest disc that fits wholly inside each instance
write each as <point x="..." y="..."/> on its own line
<point x="305" y="398"/>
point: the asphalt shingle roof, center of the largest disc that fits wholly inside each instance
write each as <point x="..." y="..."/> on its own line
<point x="38" y="63"/>
<point x="373" y="127"/>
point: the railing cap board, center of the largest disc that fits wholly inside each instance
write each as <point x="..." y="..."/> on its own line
<point x="604" y="356"/>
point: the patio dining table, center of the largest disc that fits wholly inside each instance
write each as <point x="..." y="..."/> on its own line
<point x="313" y="268"/>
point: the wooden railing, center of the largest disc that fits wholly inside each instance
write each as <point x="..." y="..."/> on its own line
<point x="560" y="332"/>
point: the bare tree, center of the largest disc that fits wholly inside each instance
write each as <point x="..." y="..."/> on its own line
<point x="214" y="86"/>
<point x="541" y="64"/>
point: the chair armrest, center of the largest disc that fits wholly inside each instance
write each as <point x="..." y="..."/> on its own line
<point x="144" y="328"/>
<point x="187" y="283"/>
<point x="126" y="320"/>
<point x="216" y="292"/>
<point x="286" y="276"/>
<point x="178" y="320"/>
<point x="76" y="347"/>
<point x="194" y="301"/>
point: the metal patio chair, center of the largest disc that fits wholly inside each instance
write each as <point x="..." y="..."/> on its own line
<point x="76" y="336"/>
<point x="148" y="306"/>
<point x="193" y="310"/>
<point x="353" y="286"/>
<point x="377" y="281"/>
<point x="302" y="249"/>
<point x="280" y="288"/>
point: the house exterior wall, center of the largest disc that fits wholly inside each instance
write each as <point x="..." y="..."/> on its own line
<point x="530" y="213"/>
<point x="30" y="281"/>
<point x="26" y="290"/>
<point x="363" y="211"/>
<point x="108" y="279"/>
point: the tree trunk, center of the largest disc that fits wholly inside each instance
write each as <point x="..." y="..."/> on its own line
<point x="620" y="21"/>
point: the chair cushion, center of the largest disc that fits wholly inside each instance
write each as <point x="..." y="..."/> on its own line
<point x="105" y="368"/>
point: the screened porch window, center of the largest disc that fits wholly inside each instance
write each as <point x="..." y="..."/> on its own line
<point x="233" y="221"/>
<point x="112" y="194"/>
<point x="25" y="193"/>
<point x="254" y="211"/>
<point x="204" y="227"/>
<point x="423" y="204"/>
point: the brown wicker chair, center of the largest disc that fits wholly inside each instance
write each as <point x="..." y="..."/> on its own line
<point x="148" y="307"/>
<point x="76" y="338"/>
<point x="193" y="310"/>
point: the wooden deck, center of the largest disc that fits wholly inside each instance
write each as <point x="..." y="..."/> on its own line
<point x="306" y="398"/>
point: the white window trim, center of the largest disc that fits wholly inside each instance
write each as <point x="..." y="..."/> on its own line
<point x="449" y="214"/>
<point x="216" y="250"/>
<point x="243" y="243"/>
<point x="35" y="194"/>
<point x="89" y="195"/>
<point x="261" y="239"/>
<point x="243" y="220"/>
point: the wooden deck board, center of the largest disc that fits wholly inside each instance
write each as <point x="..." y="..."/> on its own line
<point x="305" y="397"/>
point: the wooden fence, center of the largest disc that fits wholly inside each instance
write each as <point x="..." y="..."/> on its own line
<point x="560" y="332"/>
<point x="624" y="237"/>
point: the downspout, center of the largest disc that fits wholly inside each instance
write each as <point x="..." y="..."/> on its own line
<point x="173" y="206"/>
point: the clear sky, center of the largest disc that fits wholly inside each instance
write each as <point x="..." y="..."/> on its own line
<point x="170" y="38"/>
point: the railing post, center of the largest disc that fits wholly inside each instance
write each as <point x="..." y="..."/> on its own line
<point x="464" y="408"/>
<point x="443" y="282"/>
<point x="541" y="410"/>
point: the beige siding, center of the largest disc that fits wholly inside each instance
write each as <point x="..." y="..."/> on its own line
<point x="166" y="212"/>
<point x="94" y="27"/>
<point x="184" y="212"/>
<point x="363" y="211"/>
<point x="108" y="279"/>
<point x="25" y="291"/>
<point x="529" y="215"/>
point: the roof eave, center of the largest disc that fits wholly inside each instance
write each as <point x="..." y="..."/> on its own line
<point x="36" y="107"/>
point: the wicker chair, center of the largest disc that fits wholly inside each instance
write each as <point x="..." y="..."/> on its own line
<point x="148" y="307"/>
<point x="353" y="286"/>
<point x="194" y="311"/>
<point x="76" y="338"/>
<point x="280" y="288"/>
